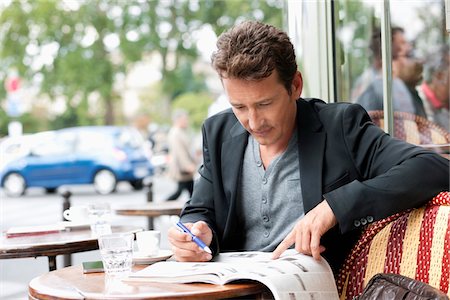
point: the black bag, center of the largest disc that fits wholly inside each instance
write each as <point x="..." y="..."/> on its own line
<point x="398" y="287"/>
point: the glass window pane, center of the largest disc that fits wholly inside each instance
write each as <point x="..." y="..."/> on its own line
<point x="420" y="71"/>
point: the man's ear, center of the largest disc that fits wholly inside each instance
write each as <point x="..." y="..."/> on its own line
<point x="297" y="85"/>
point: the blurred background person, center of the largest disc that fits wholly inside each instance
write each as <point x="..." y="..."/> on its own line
<point x="406" y="74"/>
<point x="411" y="73"/>
<point x="182" y="164"/>
<point x="400" y="47"/>
<point x="435" y="90"/>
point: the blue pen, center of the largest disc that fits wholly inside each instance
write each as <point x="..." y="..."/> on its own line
<point x="195" y="239"/>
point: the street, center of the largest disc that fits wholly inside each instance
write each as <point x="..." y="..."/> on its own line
<point x="38" y="208"/>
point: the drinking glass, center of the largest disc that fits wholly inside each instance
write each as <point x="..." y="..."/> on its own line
<point x="116" y="251"/>
<point x="99" y="218"/>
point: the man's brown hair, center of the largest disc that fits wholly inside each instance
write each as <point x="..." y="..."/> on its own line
<point x="252" y="51"/>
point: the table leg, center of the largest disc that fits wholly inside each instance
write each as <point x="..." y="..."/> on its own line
<point x="149" y="200"/>
<point x="150" y="223"/>
<point x="67" y="260"/>
<point x="52" y="263"/>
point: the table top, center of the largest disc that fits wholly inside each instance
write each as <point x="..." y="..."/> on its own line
<point x="151" y="209"/>
<point x="52" y="244"/>
<point x="71" y="283"/>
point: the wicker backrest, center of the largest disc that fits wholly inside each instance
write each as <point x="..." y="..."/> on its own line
<point x="412" y="128"/>
<point x="415" y="243"/>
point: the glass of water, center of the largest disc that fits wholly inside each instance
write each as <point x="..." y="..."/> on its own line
<point x="99" y="218"/>
<point x="116" y="251"/>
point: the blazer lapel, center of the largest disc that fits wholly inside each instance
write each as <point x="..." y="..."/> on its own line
<point x="311" y="145"/>
<point x="232" y="158"/>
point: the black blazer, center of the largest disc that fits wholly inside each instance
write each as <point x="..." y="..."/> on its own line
<point x="363" y="173"/>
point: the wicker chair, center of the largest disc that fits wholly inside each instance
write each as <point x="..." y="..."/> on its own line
<point x="414" y="243"/>
<point x="413" y="129"/>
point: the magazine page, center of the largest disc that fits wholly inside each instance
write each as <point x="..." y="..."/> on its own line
<point x="187" y="272"/>
<point x="292" y="276"/>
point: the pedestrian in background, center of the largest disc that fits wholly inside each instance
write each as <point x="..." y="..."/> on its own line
<point x="435" y="90"/>
<point x="182" y="165"/>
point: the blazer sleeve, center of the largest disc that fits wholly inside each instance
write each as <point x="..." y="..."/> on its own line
<point x="201" y="206"/>
<point x="393" y="175"/>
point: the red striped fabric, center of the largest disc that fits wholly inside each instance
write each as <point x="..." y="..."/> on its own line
<point x="426" y="242"/>
<point x="351" y="279"/>
<point x="444" y="284"/>
<point x="395" y="246"/>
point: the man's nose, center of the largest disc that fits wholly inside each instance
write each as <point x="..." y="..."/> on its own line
<point x="252" y="118"/>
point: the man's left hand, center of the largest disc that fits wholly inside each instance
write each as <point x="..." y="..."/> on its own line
<point x="308" y="231"/>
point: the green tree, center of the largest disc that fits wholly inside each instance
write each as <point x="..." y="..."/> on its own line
<point x="196" y="104"/>
<point x="77" y="50"/>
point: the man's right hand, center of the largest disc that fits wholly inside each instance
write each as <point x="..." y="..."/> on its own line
<point x="183" y="248"/>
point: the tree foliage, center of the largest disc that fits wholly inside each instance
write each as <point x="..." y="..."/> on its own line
<point x="196" y="104"/>
<point x="74" y="50"/>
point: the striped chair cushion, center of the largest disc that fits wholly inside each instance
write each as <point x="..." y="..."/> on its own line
<point x="415" y="243"/>
<point x="412" y="128"/>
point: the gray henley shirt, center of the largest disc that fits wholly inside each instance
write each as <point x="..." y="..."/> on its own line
<point x="269" y="201"/>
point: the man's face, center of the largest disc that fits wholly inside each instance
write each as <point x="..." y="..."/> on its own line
<point x="265" y="108"/>
<point x="400" y="46"/>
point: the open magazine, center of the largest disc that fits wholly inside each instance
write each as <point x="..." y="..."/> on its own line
<point x="292" y="276"/>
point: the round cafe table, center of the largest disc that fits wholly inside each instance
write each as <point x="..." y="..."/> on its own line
<point x="151" y="210"/>
<point x="53" y="244"/>
<point x="71" y="283"/>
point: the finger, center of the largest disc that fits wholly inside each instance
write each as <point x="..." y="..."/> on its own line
<point x="199" y="228"/>
<point x="187" y="255"/>
<point x="175" y="234"/>
<point x="315" y="246"/>
<point x="305" y="246"/>
<point x="284" y="245"/>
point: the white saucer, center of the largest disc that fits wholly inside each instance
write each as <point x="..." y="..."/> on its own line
<point x="142" y="259"/>
<point x="75" y="225"/>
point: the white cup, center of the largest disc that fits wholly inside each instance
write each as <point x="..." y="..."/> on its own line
<point x="148" y="242"/>
<point x="77" y="214"/>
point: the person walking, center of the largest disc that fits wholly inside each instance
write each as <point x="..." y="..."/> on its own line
<point x="182" y="165"/>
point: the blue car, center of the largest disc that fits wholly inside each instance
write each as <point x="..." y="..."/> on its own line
<point x="98" y="155"/>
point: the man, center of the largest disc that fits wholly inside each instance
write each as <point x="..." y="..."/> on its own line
<point x="406" y="73"/>
<point x="436" y="86"/>
<point x="281" y="171"/>
<point x="400" y="47"/>
<point x="182" y="165"/>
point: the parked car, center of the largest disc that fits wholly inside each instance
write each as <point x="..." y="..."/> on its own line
<point x="98" y="155"/>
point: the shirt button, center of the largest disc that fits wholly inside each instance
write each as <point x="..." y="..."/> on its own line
<point x="265" y="218"/>
<point x="264" y="181"/>
<point x="363" y="221"/>
<point x="369" y="219"/>
<point x="258" y="163"/>
<point x="357" y="223"/>
<point x="264" y="200"/>
<point x="266" y="234"/>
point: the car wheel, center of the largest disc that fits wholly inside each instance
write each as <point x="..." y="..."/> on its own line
<point x="137" y="184"/>
<point x="14" y="185"/>
<point x="105" y="182"/>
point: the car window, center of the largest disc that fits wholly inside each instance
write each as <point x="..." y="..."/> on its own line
<point x="57" y="144"/>
<point x="89" y="141"/>
<point x="129" y="138"/>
